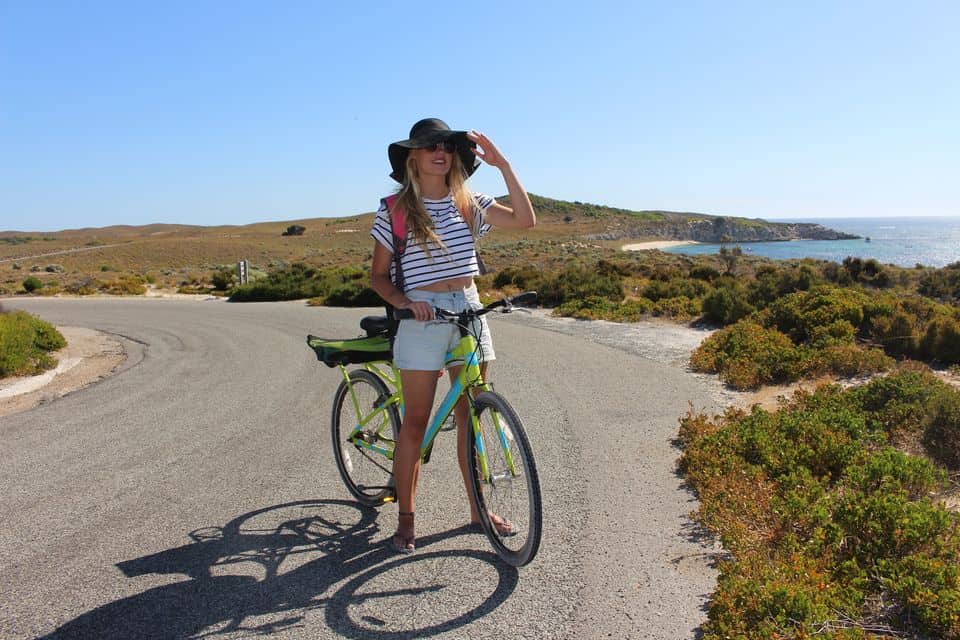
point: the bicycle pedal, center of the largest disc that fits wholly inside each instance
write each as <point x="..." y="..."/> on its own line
<point x="391" y="492"/>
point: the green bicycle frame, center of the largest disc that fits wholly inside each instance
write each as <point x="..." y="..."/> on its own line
<point x="469" y="378"/>
<point x="392" y="376"/>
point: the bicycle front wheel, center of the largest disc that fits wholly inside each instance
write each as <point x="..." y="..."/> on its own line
<point x="505" y="483"/>
<point x="364" y="430"/>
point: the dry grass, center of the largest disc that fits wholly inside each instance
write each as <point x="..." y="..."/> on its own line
<point x="173" y="255"/>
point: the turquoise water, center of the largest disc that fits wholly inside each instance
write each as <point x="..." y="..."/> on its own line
<point x="930" y="241"/>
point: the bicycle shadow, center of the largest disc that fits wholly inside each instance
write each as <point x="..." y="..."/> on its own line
<point x="321" y="543"/>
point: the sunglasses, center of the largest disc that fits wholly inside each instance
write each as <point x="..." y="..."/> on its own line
<point x="449" y="146"/>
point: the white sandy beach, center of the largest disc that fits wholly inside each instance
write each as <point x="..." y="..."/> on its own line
<point x="657" y="244"/>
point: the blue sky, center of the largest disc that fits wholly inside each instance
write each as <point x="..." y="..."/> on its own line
<point x="235" y="112"/>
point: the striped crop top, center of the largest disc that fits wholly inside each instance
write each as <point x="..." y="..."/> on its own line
<point x="460" y="257"/>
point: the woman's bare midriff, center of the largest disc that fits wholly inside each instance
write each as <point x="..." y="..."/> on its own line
<point x="453" y="284"/>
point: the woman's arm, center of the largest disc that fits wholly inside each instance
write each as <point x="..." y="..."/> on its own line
<point x="381" y="283"/>
<point x="521" y="214"/>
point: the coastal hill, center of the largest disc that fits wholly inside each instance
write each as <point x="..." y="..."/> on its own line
<point x="170" y="254"/>
<point x="622" y="224"/>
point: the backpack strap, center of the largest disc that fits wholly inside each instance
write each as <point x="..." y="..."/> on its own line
<point x="398" y="225"/>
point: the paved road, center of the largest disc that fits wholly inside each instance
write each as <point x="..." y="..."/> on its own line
<point x="195" y="494"/>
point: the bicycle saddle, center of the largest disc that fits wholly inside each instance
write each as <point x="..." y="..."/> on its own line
<point x="374" y="325"/>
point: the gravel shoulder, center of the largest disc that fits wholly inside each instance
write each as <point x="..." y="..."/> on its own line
<point x="90" y="356"/>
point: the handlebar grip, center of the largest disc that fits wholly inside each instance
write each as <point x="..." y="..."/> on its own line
<point x="402" y="314"/>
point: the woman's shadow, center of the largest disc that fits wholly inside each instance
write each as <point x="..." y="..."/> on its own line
<point x="211" y="601"/>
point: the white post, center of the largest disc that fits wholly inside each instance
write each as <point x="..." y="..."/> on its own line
<point x="242" y="272"/>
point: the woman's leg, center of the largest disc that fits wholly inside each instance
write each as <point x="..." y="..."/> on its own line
<point x="418" y="391"/>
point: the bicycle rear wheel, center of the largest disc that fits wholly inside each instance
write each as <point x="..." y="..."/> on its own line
<point x="360" y="417"/>
<point x="509" y="487"/>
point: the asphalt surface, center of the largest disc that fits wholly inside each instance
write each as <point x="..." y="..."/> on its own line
<point x="194" y="493"/>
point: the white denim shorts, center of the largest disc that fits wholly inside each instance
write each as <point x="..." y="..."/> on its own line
<point x="423" y="346"/>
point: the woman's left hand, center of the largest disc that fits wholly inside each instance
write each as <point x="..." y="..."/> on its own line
<point x="486" y="150"/>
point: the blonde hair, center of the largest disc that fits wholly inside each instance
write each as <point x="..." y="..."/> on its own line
<point x="411" y="200"/>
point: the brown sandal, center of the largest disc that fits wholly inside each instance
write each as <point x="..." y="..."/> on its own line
<point x="404" y="543"/>
<point x="503" y="527"/>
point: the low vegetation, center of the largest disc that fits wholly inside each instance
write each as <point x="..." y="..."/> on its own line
<point x="344" y="287"/>
<point x="26" y="343"/>
<point x="780" y="321"/>
<point x="832" y="530"/>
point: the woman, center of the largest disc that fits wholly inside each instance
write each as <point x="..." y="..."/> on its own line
<point x="444" y="220"/>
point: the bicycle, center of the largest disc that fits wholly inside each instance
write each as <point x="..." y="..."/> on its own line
<point x="366" y="417"/>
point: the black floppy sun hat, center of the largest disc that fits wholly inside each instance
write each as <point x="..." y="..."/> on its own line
<point x="426" y="133"/>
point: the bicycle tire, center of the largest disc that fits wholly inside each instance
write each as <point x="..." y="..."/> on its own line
<point x="513" y="496"/>
<point x="368" y="475"/>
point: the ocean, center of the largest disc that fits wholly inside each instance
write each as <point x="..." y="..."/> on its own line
<point x="906" y="242"/>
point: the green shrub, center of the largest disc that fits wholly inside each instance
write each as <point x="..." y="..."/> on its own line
<point x="704" y="272"/>
<point x="899" y="402"/>
<point x="942" y="433"/>
<point x="353" y="294"/>
<point x="772" y="283"/>
<point x="224" y="278"/>
<point x="897" y="333"/>
<point x="125" y="286"/>
<point x="526" y="277"/>
<point x="757" y="599"/>
<point x="821" y="437"/>
<point x="800" y="314"/>
<point x="590" y="308"/>
<point x="726" y="303"/>
<point x="886" y="523"/>
<point x="675" y="288"/>
<point x="823" y="519"/>
<point x="928" y="587"/>
<point x="25" y="343"/>
<point x="579" y="282"/>
<point x="46" y="337"/>
<point x="340" y="286"/>
<point x="888" y="469"/>
<point x="942" y="284"/>
<point x="941" y="341"/>
<point x="748" y="355"/>
<point x="32" y="283"/>
<point x="846" y="360"/>
<point x="679" y="308"/>
<point x="597" y="308"/>
<point x="838" y="332"/>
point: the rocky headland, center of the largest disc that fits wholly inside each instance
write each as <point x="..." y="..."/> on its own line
<point x="715" y="229"/>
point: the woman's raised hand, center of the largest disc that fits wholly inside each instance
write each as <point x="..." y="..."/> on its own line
<point x="486" y="150"/>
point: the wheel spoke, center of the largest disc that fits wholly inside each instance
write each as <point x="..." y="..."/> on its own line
<point x="364" y="427"/>
<point x="506" y="486"/>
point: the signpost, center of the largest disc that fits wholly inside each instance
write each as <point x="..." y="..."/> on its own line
<point x="242" y="272"/>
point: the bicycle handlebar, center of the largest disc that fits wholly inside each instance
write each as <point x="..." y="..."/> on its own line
<point x="519" y="300"/>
